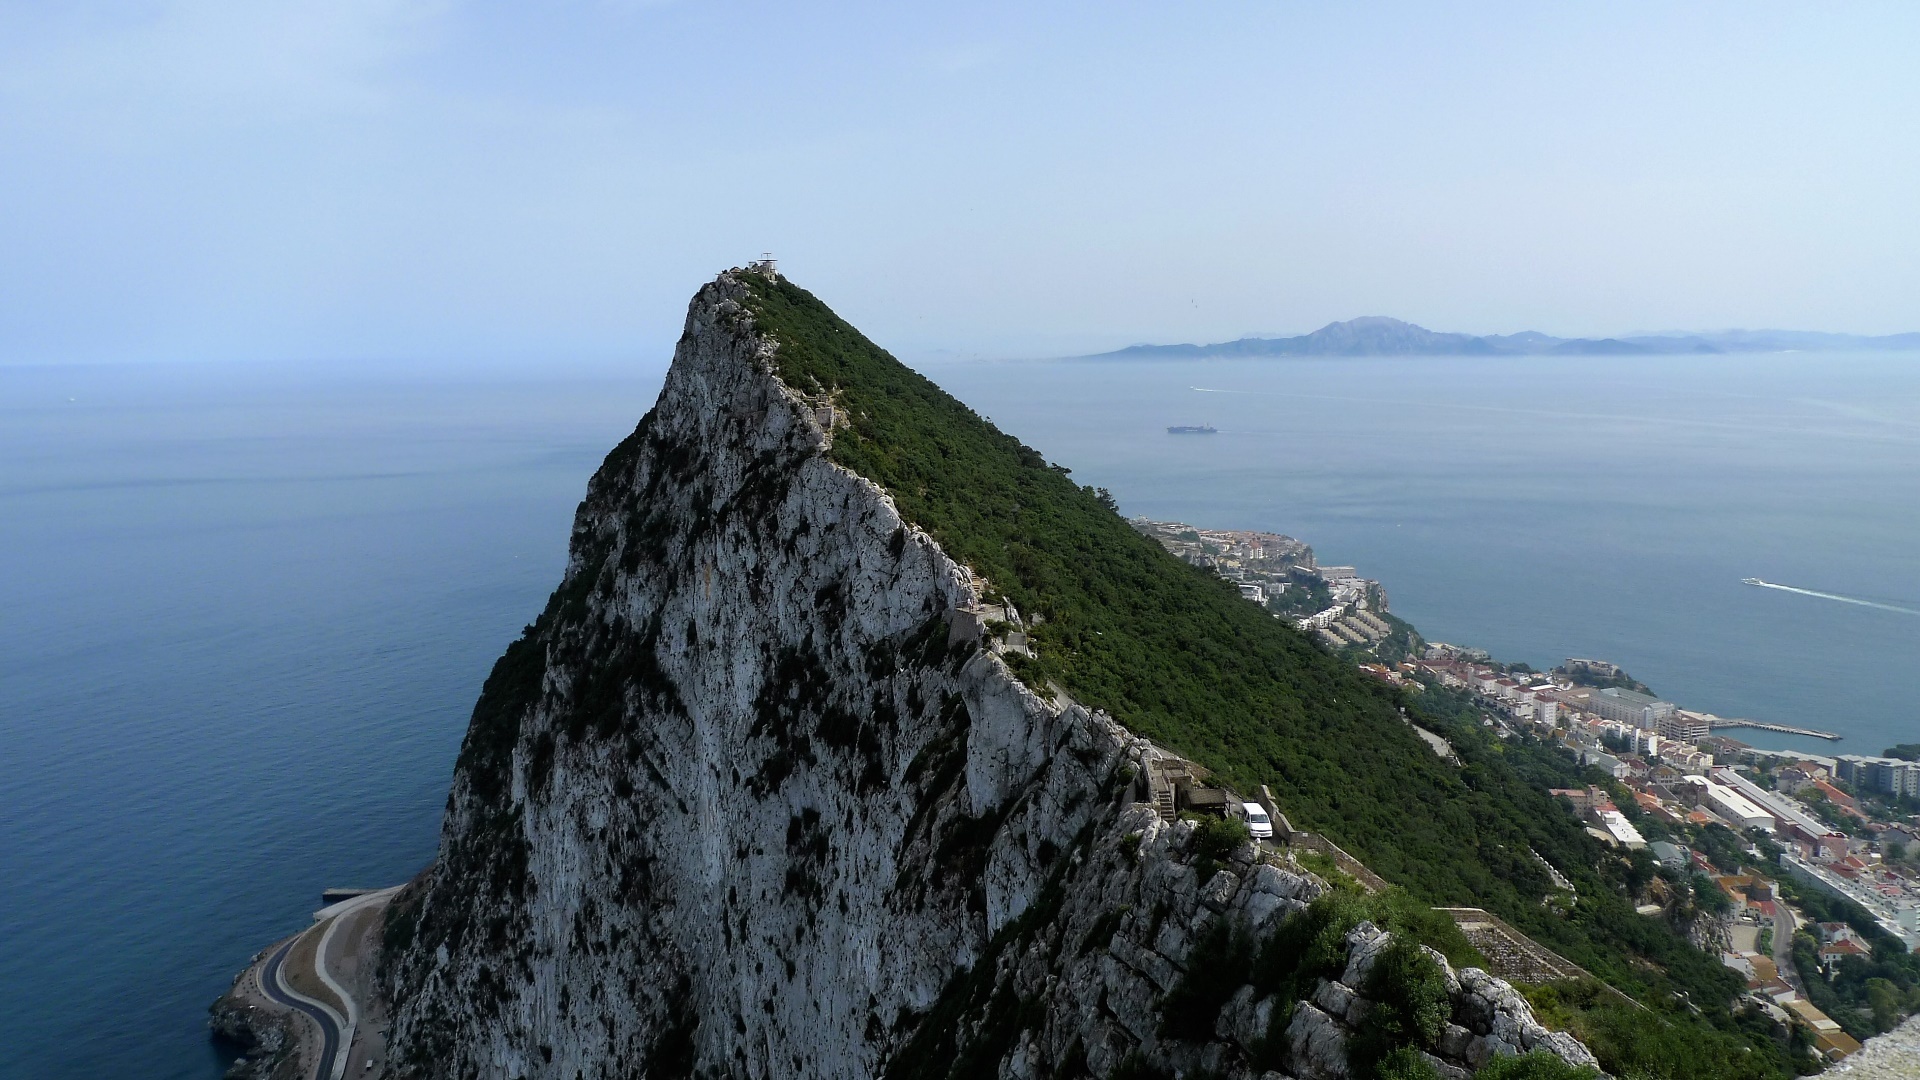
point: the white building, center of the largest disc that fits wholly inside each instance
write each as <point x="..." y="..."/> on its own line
<point x="1891" y="775"/>
<point x="1786" y="816"/>
<point x="1691" y="762"/>
<point x="1605" y="762"/>
<point x="1322" y="620"/>
<point x="1627" y="707"/>
<point x="1898" y="917"/>
<point x="1730" y="804"/>
<point x="1622" y="830"/>
<point x="1683" y="726"/>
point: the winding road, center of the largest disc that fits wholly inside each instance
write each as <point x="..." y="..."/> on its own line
<point x="1783" y="927"/>
<point x="275" y="987"/>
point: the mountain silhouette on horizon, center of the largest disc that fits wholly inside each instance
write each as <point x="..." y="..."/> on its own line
<point x="1378" y="335"/>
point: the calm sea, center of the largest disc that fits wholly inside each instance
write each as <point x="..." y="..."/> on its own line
<point x="244" y="613"/>
<point x="244" y="610"/>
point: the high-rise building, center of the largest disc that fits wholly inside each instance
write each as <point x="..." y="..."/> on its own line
<point x="1680" y="727"/>
<point x="1890" y="775"/>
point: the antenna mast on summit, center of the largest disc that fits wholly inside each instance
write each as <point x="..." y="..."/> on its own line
<point x="765" y="265"/>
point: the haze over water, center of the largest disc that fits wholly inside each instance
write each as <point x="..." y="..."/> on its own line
<point x="248" y="609"/>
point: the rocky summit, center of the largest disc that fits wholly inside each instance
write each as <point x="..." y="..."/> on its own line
<point x="764" y="792"/>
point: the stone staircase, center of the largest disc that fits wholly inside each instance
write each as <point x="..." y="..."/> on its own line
<point x="1163" y="803"/>
<point x="1165" y="774"/>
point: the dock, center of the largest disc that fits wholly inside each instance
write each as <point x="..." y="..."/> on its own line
<point x="1716" y="723"/>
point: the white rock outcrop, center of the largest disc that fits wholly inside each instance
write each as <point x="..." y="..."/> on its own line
<point x="751" y="799"/>
<point x="1894" y="1055"/>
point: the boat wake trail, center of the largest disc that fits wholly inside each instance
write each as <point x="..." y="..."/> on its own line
<point x="1834" y="596"/>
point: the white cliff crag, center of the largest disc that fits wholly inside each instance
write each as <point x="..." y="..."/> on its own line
<point x="1892" y="1055"/>
<point x="756" y="796"/>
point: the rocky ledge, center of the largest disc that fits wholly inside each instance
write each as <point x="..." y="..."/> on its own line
<point x="1132" y="955"/>
<point x="261" y="1035"/>
<point x="1892" y="1056"/>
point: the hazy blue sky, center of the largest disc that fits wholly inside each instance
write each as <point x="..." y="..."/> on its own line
<point x="372" y="178"/>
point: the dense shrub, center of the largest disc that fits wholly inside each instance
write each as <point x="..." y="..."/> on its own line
<point x="1538" y="1065"/>
<point x="1311" y="945"/>
<point x="1213" y="841"/>
<point x="1410" y="1005"/>
<point x="1634" y="1043"/>
<point x="1216" y="838"/>
<point x="1405" y="1063"/>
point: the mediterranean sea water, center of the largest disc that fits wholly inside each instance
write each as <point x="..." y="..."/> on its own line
<point x="245" y="609"/>
<point x="244" y="614"/>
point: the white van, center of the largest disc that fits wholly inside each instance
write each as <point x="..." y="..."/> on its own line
<point x="1258" y="823"/>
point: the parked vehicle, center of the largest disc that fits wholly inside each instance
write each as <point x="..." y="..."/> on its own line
<point x="1258" y="823"/>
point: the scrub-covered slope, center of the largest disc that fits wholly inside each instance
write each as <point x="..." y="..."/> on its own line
<point x="1174" y="654"/>
<point x="1169" y="650"/>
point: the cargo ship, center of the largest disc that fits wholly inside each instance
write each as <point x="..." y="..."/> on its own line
<point x="1192" y="429"/>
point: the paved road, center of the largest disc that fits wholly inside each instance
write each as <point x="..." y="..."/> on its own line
<point x="1783" y="925"/>
<point x="340" y="913"/>
<point x="271" y="985"/>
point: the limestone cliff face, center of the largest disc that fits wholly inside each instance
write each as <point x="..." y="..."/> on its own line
<point x="756" y="796"/>
<point x="744" y="805"/>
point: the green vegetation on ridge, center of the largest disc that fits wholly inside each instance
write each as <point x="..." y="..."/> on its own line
<point x="1173" y="653"/>
<point x="1170" y="650"/>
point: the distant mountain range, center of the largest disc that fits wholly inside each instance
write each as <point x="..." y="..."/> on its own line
<point x="1376" y="335"/>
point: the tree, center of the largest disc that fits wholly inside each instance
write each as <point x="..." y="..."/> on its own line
<point x="1708" y="897"/>
<point x="1884" y="999"/>
<point x="1641" y="868"/>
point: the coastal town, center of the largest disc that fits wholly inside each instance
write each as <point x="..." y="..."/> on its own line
<point x="1809" y="862"/>
<point x="1334" y="603"/>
